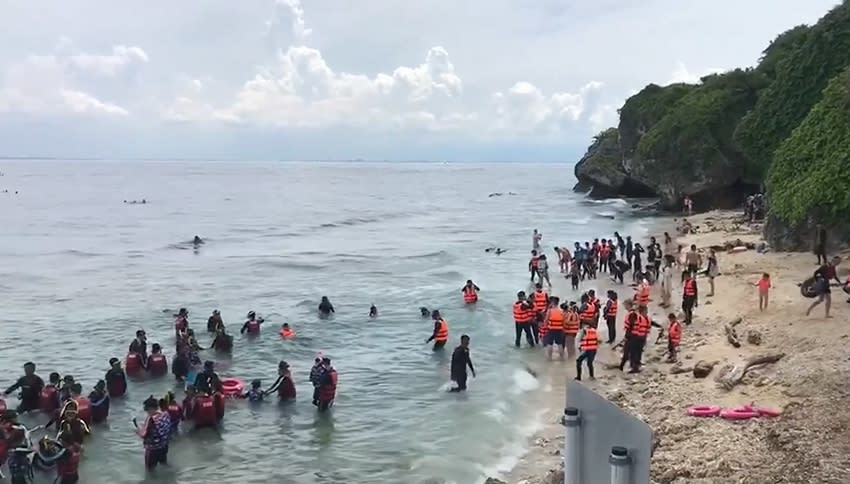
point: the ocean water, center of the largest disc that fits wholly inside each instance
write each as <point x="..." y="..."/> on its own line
<point x="80" y="272"/>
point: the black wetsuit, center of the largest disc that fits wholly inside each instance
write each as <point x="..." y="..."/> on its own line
<point x="326" y="308"/>
<point x="460" y="360"/>
<point x="30" y="387"/>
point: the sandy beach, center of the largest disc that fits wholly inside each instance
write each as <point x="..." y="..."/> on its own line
<point x="807" y="443"/>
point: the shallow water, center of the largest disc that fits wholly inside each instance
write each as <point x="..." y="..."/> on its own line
<point x="80" y="271"/>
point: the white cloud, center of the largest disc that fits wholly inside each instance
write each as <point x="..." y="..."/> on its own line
<point x="682" y="74"/>
<point x="294" y="12"/>
<point x="47" y="83"/>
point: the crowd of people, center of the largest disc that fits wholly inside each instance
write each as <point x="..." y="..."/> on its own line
<point x="75" y="415"/>
<point x="567" y="326"/>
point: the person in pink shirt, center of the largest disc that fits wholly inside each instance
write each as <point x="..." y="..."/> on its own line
<point x="764" y="286"/>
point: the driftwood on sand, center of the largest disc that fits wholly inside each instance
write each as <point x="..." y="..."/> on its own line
<point x="731" y="334"/>
<point x="736" y="373"/>
<point x="703" y="368"/>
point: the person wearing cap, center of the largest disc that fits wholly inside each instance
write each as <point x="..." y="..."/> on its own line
<point x="316" y="373"/>
<point x="30" y="386"/>
<point x="116" y="379"/>
<point x="214" y="322"/>
<point x="139" y="346"/>
<point x="327" y="387"/>
<point x="283" y="385"/>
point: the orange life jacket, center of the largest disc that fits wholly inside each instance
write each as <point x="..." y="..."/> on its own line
<point x="522" y="315"/>
<point x="612" y="308"/>
<point x="442" y="333"/>
<point x="556" y="319"/>
<point x="642" y="296"/>
<point x="469" y="295"/>
<point x="589" y="312"/>
<point x="287" y="333"/>
<point x="690" y="288"/>
<point x="541" y="300"/>
<point x="571" y="324"/>
<point x="590" y="340"/>
<point x="642" y="326"/>
<point x="674" y="332"/>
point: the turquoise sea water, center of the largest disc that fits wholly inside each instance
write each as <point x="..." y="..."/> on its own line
<point x="80" y="272"/>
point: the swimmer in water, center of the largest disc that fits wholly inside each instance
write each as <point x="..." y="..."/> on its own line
<point x="424" y="312"/>
<point x="99" y="399"/>
<point x="283" y="385"/>
<point x="286" y="332"/>
<point x="440" y="336"/>
<point x="214" y="321"/>
<point x="116" y="379"/>
<point x="256" y="393"/>
<point x="252" y="325"/>
<point x="197" y="241"/>
<point x="373" y="311"/>
<point x="325" y="307"/>
<point x="30" y="386"/>
<point x="222" y="342"/>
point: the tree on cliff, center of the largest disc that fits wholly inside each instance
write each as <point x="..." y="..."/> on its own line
<point x="810" y="175"/>
<point x="800" y="76"/>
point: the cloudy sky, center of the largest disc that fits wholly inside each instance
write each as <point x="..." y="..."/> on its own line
<point x="345" y="79"/>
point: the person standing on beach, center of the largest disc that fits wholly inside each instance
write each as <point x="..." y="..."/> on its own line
<point x="693" y="260"/>
<point x="555" y="323"/>
<point x="823" y="276"/>
<point x="540" y="301"/>
<point x="461" y="360"/>
<point x="523" y="314"/>
<point x="543" y="270"/>
<point x="532" y="265"/>
<point x="690" y="298"/>
<point x="611" y="316"/>
<point x="667" y="281"/>
<point x="621" y="245"/>
<point x="674" y="337"/>
<point x="711" y="271"/>
<point x="636" y="328"/>
<point x="820" y="244"/>
<point x="588" y="345"/>
<point x="764" y="286"/>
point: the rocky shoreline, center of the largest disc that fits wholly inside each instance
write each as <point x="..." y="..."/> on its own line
<point x="808" y="443"/>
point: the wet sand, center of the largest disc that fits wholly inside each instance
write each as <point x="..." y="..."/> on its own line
<point x="807" y="443"/>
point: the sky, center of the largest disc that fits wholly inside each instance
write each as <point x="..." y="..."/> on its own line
<point x="466" y="80"/>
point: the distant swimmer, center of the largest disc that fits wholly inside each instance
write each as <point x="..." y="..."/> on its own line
<point x="461" y="360"/>
<point x="470" y="292"/>
<point x="325" y="307"/>
<point x="197" y="241"/>
<point x="424" y="312"/>
<point x="440" y="336"/>
<point x="286" y="332"/>
<point x="373" y="311"/>
<point x="496" y="250"/>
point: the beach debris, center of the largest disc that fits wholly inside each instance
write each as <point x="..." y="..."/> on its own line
<point x="703" y="368"/>
<point x="493" y="480"/>
<point x="679" y="369"/>
<point x="731" y="334"/>
<point x="754" y="337"/>
<point x="734" y="375"/>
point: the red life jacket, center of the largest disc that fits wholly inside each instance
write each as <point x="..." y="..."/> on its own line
<point x="286" y="390"/>
<point x="133" y="364"/>
<point x="84" y="409"/>
<point x="48" y="400"/>
<point x="203" y="411"/>
<point x="327" y="392"/>
<point x="69" y="465"/>
<point x="253" y="326"/>
<point x="181" y="323"/>
<point x="469" y="295"/>
<point x="157" y="364"/>
<point x="175" y="412"/>
<point x="534" y="260"/>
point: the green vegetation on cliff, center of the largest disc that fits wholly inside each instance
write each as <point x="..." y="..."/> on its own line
<point x="803" y="61"/>
<point x="696" y="133"/>
<point x="646" y="108"/>
<point x="810" y="175"/>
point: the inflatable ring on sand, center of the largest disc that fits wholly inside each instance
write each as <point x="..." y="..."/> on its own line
<point x="767" y="411"/>
<point x="232" y="387"/>
<point x="704" y="411"/>
<point x="738" y="413"/>
<point x="807" y="288"/>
